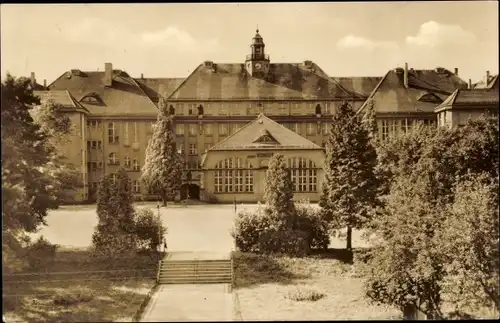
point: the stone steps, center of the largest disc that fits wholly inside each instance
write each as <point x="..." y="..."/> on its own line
<point x="195" y="272"/>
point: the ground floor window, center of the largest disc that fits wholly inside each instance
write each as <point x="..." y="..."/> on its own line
<point x="304" y="174"/>
<point x="233" y="175"/>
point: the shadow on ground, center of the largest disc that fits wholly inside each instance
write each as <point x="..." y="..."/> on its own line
<point x="84" y="289"/>
<point x="252" y="269"/>
<point x="343" y="255"/>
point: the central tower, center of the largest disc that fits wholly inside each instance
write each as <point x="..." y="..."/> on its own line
<point x="257" y="63"/>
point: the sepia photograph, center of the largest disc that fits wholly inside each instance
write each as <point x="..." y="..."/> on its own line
<point x="254" y="161"/>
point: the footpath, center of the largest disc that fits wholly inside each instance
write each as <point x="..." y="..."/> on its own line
<point x="191" y="302"/>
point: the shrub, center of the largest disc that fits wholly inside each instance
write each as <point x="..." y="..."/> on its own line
<point x="248" y="227"/>
<point x="73" y="296"/>
<point x="311" y="220"/>
<point x="304" y="293"/>
<point x="148" y="228"/>
<point x="41" y="254"/>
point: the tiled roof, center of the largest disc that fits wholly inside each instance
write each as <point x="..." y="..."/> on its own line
<point x="60" y="97"/>
<point x="390" y="95"/>
<point x="245" y="138"/>
<point x="363" y="85"/>
<point x="471" y="98"/>
<point x="158" y="87"/>
<point x="491" y="83"/>
<point x="283" y="82"/>
<point x="124" y="97"/>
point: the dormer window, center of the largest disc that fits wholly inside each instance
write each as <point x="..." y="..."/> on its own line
<point x="266" y="138"/>
<point x="430" y="98"/>
<point x="92" y="98"/>
<point x="200" y="110"/>
<point x="318" y="109"/>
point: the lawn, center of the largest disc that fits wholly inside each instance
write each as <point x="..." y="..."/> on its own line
<point x="78" y="288"/>
<point x="312" y="288"/>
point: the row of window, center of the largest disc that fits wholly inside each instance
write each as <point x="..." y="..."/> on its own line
<point x="249" y="108"/>
<point x="234" y="175"/>
<point x="227" y="128"/>
<point x="392" y="128"/>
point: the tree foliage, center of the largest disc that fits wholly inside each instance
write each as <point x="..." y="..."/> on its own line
<point x="278" y="192"/>
<point x="115" y="234"/>
<point x="149" y="228"/>
<point x="33" y="179"/>
<point x="470" y="239"/>
<point x="431" y="217"/>
<point x="163" y="167"/>
<point x="350" y="187"/>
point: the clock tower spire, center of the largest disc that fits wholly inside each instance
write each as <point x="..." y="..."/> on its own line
<point x="257" y="62"/>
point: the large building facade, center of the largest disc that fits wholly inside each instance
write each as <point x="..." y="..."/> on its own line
<point x="114" y="115"/>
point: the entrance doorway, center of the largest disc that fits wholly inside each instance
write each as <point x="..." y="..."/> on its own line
<point x="191" y="191"/>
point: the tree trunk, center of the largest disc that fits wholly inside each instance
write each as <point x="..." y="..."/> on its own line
<point x="349" y="238"/>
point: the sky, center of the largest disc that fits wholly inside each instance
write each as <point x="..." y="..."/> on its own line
<point x="171" y="40"/>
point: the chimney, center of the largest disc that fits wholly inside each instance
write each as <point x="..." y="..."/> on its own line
<point x="33" y="79"/>
<point x="487" y="76"/>
<point x="108" y="74"/>
<point x="405" y="76"/>
<point x="470" y="84"/>
<point x="456" y="71"/>
<point x="142" y="76"/>
<point x="45" y="83"/>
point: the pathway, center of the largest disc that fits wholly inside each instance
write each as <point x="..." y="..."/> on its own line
<point x="193" y="302"/>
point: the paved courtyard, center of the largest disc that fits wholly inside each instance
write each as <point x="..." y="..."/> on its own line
<point x="191" y="228"/>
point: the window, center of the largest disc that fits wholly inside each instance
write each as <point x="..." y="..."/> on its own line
<point x="192" y="149"/>
<point x="112" y="137"/>
<point x="135" y="165"/>
<point x="234" y="109"/>
<point x="310" y="129"/>
<point x="191" y="109"/>
<point x="125" y="135"/>
<point x="222" y="129"/>
<point x="127" y="162"/>
<point x="192" y="130"/>
<point x="236" y="127"/>
<point x="406" y="125"/>
<point x="135" y="132"/>
<point x="92" y="99"/>
<point x="385" y="129"/>
<point x="112" y="159"/>
<point x="136" y="186"/>
<point x="92" y="166"/>
<point x="393" y="128"/>
<point x="284" y="108"/>
<point x="94" y="144"/>
<point x="296" y="127"/>
<point x="233" y="175"/>
<point x="222" y="110"/>
<point x="208" y="129"/>
<point x="325" y="108"/>
<point x="93" y="123"/>
<point x="218" y="181"/>
<point x="180" y="109"/>
<point x="179" y="129"/>
<point x="295" y="108"/>
<point x="113" y="178"/>
<point x="304" y="174"/>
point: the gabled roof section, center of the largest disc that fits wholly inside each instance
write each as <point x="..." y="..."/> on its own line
<point x="282" y="138"/>
<point x="491" y="83"/>
<point x="283" y="82"/>
<point x="475" y="98"/>
<point x="426" y="89"/>
<point x="155" y="88"/>
<point x="363" y="85"/>
<point x="124" y="97"/>
<point x="62" y="98"/>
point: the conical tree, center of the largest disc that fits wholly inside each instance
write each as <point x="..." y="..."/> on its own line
<point x="278" y="193"/>
<point x="163" y="166"/>
<point x="349" y="190"/>
<point x="114" y="234"/>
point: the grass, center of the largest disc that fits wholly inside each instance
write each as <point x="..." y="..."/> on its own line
<point x="319" y="287"/>
<point x="106" y="291"/>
